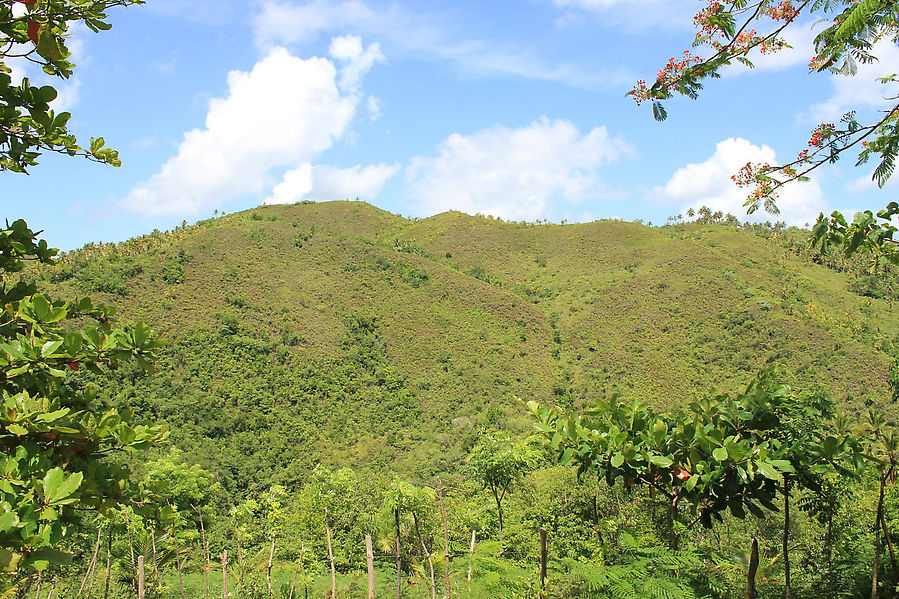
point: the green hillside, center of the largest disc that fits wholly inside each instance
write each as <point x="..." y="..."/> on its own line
<point x="340" y="333"/>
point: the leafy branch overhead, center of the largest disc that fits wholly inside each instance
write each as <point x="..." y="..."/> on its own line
<point x="33" y="34"/>
<point x="58" y="446"/>
<point x="737" y="30"/>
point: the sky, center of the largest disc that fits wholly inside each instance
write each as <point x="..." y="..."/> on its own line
<point x="514" y="109"/>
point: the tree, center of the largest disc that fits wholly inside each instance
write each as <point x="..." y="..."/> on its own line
<point x="60" y="450"/>
<point x="330" y="493"/>
<point x="717" y="454"/>
<point x="498" y="462"/>
<point x="36" y="35"/>
<point x="734" y="29"/>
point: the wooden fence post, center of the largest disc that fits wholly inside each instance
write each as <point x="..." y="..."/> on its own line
<point x="225" y="573"/>
<point x="370" y="559"/>
<point x="542" y="563"/>
<point x="140" y="577"/>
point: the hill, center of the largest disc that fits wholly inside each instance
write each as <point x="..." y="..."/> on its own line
<point x="341" y="333"/>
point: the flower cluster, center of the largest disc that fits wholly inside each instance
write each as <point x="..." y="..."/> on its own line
<point x="667" y="76"/>
<point x="821" y="134"/>
<point x="705" y="19"/>
<point x="816" y="63"/>
<point x="640" y="92"/>
<point x="756" y="174"/>
<point x="674" y="68"/>
<point x="782" y="11"/>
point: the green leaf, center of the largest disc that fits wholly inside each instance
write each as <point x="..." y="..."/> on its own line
<point x="8" y="521"/>
<point x="720" y="454"/>
<point x="768" y="471"/>
<point x="661" y="461"/>
<point x="17" y="429"/>
<point x="58" y="487"/>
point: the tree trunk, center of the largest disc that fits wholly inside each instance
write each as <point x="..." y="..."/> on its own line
<point x="91" y="564"/>
<point x="427" y="554"/>
<point x="876" y="563"/>
<point x="499" y="513"/>
<point x="471" y="560"/>
<point x="751" y="592"/>
<point x="370" y="562"/>
<point x="331" y="556"/>
<point x="399" y="562"/>
<point x="108" y="562"/>
<point x="155" y="563"/>
<point x="37" y="591"/>
<point x="886" y="536"/>
<point x="596" y="519"/>
<point x="205" y="550"/>
<point x="877" y="528"/>
<point x="130" y="544"/>
<point x="786" y="538"/>
<point x="675" y="536"/>
<point x="178" y="560"/>
<point x="542" y="563"/>
<point x="268" y="571"/>
<point x="446" y="553"/>
<point x="831" y="577"/>
<point x="293" y="584"/>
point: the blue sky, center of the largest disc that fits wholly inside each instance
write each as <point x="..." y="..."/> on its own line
<point x="516" y="109"/>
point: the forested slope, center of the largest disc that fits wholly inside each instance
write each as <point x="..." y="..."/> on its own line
<point x="340" y="333"/>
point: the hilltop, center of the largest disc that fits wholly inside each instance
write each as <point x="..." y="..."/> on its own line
<point x="341" y="333"/>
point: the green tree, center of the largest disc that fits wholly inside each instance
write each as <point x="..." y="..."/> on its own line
<point x="718" y="454"/>
<point x="499" y="462"/>
<point x="36" y="35"/>
<point x="62" y="453"/>
<point x="330" y="493"/>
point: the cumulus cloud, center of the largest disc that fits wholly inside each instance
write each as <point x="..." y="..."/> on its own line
<point x="324" y="183"/>
<point x="283" y="112"/>
<point x="861" y="91"/>
<point x="709" y="184"/>
<point x="514" y="173"/>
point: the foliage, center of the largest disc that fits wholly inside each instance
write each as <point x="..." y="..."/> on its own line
<point x="498" y="463"/>
<point x="62" y="452"/>
<point x="36" y="35"/>
<point x="716" y="454"/>
<point x="645" y="571"/>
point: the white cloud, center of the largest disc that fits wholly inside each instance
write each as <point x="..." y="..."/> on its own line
<point x="514" y="173"/>
<point x="866" y="183"/>
<point x="633" y="15"/>
<point x="709" y="184"/>
<point x="861" y="91"/>
<point x="373" y="106"/>
<point x="285" y="111"/>
<point x="284" y="22"/>
<point x="421" y="34"/>
<point x="325" y="183"/>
